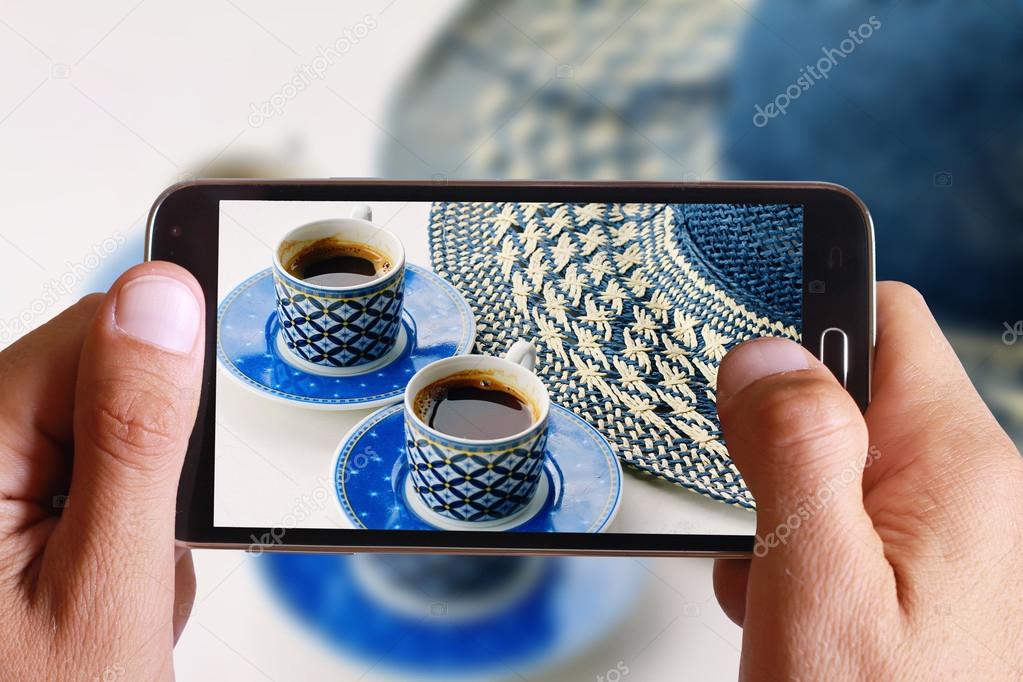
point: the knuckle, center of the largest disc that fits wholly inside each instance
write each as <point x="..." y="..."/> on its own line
<point x="132" y="418"/>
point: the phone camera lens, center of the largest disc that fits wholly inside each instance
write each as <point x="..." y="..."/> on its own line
<point x="176" y="231"/>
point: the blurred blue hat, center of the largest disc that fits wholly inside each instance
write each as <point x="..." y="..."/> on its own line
<point x="921" y="118"/>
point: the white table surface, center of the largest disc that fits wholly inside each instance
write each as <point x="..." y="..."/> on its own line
<point x="106" y="103"/>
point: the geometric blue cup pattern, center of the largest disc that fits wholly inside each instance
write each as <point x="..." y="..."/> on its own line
<point x="475" y="482"/>
<point x="346" y="329"/>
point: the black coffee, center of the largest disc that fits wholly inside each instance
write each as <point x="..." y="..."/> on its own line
<point x="333" y="263"/>
<point x="477" y="407"/>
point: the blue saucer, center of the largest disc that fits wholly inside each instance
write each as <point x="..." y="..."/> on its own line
<point x="579" y="493"/>
<point x="437" y="323"/>
<point x="575" y="603"/>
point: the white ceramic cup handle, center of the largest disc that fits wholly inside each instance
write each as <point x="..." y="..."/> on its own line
<point x="362" y="212"/>
<point x="522" y="353"/>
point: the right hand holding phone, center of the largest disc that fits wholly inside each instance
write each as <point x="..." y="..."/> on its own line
<point x="888" y="544"/>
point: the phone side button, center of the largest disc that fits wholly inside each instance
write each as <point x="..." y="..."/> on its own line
<point x="834" y="353"/>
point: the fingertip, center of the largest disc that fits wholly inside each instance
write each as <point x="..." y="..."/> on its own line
<point x="184" y="589"/>
<point x="84" y="309"/>
<point x="892" y="294"/>
<point x="912" y="356"/>
<point x="757" y="359"/>
<point x="159" y="304"/>
<point x="162" y="269"/>
<point x="91" y="300"/>
<point x="158" y="268"/>
<point x="731" y="577"/>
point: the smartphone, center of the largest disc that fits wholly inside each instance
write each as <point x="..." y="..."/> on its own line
<point x="495" y="367"/>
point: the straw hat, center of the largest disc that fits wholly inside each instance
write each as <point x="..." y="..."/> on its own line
<point x="632" y="307"/>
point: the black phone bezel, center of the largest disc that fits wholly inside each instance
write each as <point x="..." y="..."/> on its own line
<point x="183" y="228"/>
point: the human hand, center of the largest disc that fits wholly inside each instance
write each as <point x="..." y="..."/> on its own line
<point x="93" y="589"/>
<point x="888" y="544"/>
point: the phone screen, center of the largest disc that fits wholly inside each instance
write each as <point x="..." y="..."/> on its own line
<point x="327" y="310"/>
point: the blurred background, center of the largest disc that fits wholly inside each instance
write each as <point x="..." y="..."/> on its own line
<point x="911" y="104"/>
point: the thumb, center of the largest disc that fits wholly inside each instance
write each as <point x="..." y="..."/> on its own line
<point x="135" y="405"/>
<point x="800" y="442"/>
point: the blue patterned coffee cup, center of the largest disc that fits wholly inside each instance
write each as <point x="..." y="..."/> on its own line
<point x="339" y="329"/>
<point x="478" y="480"/>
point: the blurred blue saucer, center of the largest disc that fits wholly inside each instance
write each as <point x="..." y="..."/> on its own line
<point x="567" y="606"/>
<point x="437" y="324"/>
<point x="579" y="493"/>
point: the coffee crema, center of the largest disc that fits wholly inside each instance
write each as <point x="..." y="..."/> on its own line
<point x="474" y="406"/>
<point x="336" y="263"/>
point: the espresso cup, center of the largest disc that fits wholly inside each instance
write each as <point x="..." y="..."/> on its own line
<point x="478" y="480"/>
<point x="340" y="327"/>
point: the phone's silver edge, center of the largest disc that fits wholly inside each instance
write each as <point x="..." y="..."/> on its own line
<point x="147" y="254"/>
<point x="525" y="184"/>
<point x="872" y="271"/>
<point x="752" y="184"/>
<point x="465" y="551"/>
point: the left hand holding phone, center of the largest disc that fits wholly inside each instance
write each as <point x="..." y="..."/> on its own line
<point x="94" y="423"/>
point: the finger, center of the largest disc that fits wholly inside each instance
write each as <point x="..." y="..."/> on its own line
<point x="731" y="577"/>
<point x="136" y="398"/>
<point x="184" y="589"/>
<point x="35" y="419"/>
<point x="800" y="442"/>
<point x="924" y="405"/>
<point x="942" y="455"/>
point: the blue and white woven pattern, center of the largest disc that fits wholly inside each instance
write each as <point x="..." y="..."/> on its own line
<point x="632" y="307"/>
<point x="607" y="90"/>
<point x="475" y="482"/>
<point x="340" y="330"/>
